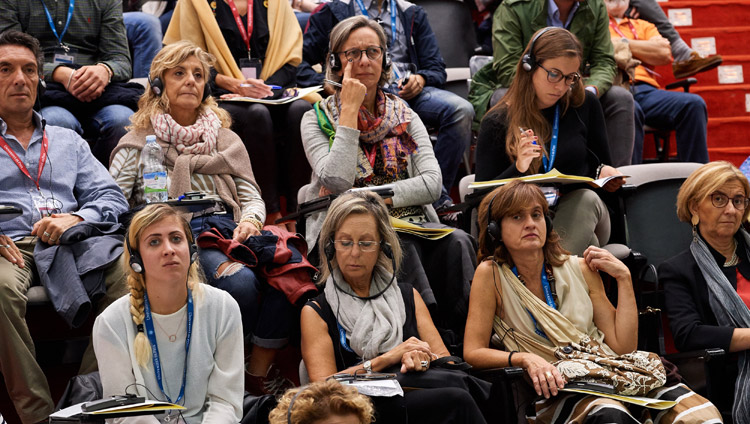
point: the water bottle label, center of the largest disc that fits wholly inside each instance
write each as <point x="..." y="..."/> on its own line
<point x="155" y="182"/>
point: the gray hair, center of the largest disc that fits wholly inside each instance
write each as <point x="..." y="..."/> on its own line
<point x="341" y="32"/>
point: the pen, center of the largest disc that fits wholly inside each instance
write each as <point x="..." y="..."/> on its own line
<point x="523" y="133"/>
<point x="273" y="87"/>
<point x="333" y="83"/>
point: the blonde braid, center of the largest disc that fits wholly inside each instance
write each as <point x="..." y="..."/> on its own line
<point x="140" y="344"/>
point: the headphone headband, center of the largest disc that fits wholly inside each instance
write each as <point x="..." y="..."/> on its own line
<point x="529" y="59"/>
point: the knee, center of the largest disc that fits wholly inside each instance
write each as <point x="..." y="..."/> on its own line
<point x="145" y="24"/>
<point x="259" y="115"/>
<point x="9" y="295"/>
<point x="238" y="280"/>
<point x="61" y="117"/>
<point x="696" y="106"/>
<point x="618" y="97"/>
<point x="113" y="118"/>
<point x="296" y="109"/>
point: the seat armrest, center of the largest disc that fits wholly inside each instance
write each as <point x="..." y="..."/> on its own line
<point x="683" y="84"/>
<point x="701" y="354"/>
<point x="501" y="374"/>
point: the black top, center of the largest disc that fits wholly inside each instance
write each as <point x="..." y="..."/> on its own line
<point x="582" y="144"/>
<point x="691" y="318"/>
<point x="344" y="358"/>
<point x="286" y="76"/>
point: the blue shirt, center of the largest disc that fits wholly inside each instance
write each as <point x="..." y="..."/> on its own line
<point x="72" y="179"/>
<point x="553" y="15"/>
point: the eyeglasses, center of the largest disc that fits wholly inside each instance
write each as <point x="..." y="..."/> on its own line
<point x="556" y="76"/>
<point x="372" y="52"/>
<point x="720" y="200"/>
<point x="364" y="246"/>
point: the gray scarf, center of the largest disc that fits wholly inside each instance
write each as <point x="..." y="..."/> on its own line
<point x="374" y="326"/>
<point x="730" y="311"/>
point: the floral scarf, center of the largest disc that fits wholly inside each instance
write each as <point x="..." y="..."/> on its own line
<point x="197" y="139"/>
<point x="386" y="130"/>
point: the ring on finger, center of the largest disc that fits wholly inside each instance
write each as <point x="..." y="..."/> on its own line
<point x="424" y="364"/>
<point x="7" y="246"/>
<point x="548" y="375"/>
<point x="52" y="239"/>
<point x="46" y="234"/>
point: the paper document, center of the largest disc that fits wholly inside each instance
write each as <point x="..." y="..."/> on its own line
<point x="402" y="226"/>
<point x="637" y="400"/>
<point x="301" y="92"/>
<point x="552" y="177"/>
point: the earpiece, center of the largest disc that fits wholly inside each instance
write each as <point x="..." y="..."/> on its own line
<point x="41" y="87"/>
<point x="529" y="59"/>
<point x="193" y="253"/>
<point x="330" y="250"/>
<point x="495" y="233"/>
<point x="157" y="87"/>
<point x="386" y="249"/>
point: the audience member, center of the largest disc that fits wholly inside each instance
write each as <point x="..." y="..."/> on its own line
<point x="265" y="43"/>
<point x="144" y="37"/>
<point x="410" y="44"/>
<point x="551" y="313"/>
<point x="516" y="21"/>
<point x="547" y="120"/>
<point x="61" y="205"/>
<point x="172" y="338"/>
<point x="324" y="402"/>
<point x="86" y="62"/>
<point x="203" y="154"/>
<point x="363" y="136"/>
<point x="707" y="287"/>
<point x="661" y="108"/>
<point x="363" y="322"/>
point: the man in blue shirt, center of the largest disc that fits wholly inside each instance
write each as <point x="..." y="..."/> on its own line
<point x="50" y="174"/>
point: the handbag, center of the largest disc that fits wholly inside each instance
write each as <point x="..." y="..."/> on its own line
<point x="632" y="374"/>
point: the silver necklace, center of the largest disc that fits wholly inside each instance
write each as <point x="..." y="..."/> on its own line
<point x="172" y="337"/>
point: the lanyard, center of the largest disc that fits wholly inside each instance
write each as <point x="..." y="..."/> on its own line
<point x="52" y="24"/>
<point x="393" y="17"/>
<point x="246" y="34"/>
<point x="617" y="29"/>
<point x="547" y="295"/>
<point x="155" y="348"/>
<point x="371" y="153"/>
<point x="553" y="143"/>
<point x="19" y="162"/>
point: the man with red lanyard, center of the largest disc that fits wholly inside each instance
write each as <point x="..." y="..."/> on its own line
<point x="50" y="174"/>
<point x="684" y="112"/>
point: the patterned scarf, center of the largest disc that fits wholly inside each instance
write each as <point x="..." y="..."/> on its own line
<point x="386" y="129"/>
<point x="197" y="139"/>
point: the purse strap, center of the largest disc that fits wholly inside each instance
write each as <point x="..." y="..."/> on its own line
<point x="445" y="362"/>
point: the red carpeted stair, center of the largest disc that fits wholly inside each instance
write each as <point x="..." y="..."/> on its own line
<point x="728" y="21"/>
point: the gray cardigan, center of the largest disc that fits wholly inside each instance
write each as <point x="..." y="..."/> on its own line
<point x="336" y="169"/>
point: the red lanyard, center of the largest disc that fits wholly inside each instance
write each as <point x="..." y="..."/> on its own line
<point x="246" y="34"/>
<point x="19" y="162"/>
<point x="370" y="153"/>
<point x="617" y="29"/>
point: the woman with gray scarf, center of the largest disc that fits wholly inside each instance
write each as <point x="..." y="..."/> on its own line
<point x="708" y="286"/>
<point x="365" y="321"/>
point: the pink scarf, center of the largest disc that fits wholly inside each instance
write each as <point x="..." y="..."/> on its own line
<point x="196" y="139"/>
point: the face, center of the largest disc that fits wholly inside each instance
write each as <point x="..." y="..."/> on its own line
<point x="616" y="8"/>
<point x="525" y="230"/>
<point x="355" y="264"/>
<point x="338" y="419"/>
<point x="165" y="251"/>
<point x="184" y="84"/>
<point x="548" y="93"/>
<point x="720" y="223"/>
<point x="366" y="70"/>
<point x="19" y="77"/>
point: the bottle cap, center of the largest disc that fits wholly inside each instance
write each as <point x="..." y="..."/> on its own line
<point x="151" y="139"/>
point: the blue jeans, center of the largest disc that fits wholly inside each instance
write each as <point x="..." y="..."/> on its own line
<point x="144" y="37"/>
<point x="451" y="115"/>
<point x="684" y="112"/>
<point x="106" y="127"/>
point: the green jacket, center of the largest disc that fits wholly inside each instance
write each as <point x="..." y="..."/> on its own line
<point x="513" y="25"/>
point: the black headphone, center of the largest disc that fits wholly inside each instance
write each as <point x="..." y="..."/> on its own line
<point x="136" y="262"/>
<point x="334" y="62"/>
<point x="529" y="59"/>
<point x="330" y="252"/>
<point x="495" y="232"/>
<point x="157" y="86"/>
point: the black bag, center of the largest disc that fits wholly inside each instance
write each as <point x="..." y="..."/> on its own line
<point x="81" y="388"/>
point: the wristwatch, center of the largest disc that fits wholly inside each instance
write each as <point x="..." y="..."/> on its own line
<point x="367" y="365"/>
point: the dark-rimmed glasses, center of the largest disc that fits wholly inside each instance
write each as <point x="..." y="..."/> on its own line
<point x="372" y="52"/>
<point x="556" y="76"/>
<point x="364" y="246"/>
<point x="720" y="200"/>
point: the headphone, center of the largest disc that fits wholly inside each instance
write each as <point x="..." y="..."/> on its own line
<point x="136" y="262"/>
<point x="495" y="233"/>
<point x="330" y="252"/>
<point x="334" y="61"/>
<point x="157" y="87"/>
<point x="529" y="60"/>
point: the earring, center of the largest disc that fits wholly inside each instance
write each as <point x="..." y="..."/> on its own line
<point x="695" y="220"/>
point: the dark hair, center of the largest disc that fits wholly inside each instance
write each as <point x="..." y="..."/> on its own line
<point x="18" y="38"/>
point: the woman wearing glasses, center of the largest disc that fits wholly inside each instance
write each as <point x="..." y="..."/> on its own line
<point x="547" y="120"/>
<point x="708" y="285"/>
<point x="366" y="321"/>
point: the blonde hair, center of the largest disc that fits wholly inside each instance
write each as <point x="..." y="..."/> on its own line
<point x="359" y="202"/>
<point x="321" y="400"/>
<point x="520" y="102"/>
<point x="704" y="181"/>
<point x="148" y="216"/>
<point x="169" y="57"/>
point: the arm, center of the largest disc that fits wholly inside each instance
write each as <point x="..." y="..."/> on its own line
<point x="507" y="42"/>
<point x="426" y="327"/>
<point x="335" y="167"/>
<point x="430" y="63"/>
<point x="124" y="170"/>
<point x="651" y="48"/>
<point x="485" y="302"/>
<point x="113" y="41"/>
<point x="601" y="56"/>
<point x="620" y="326"/>
<point x="492" y="162"/>
<point x="250" y="200"/>
<point x="315" y="47"/>
<point x="425" y="181"/>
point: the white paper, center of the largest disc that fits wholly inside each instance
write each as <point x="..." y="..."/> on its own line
<point x="681" y="17"/>
<point x="747" y="103"/>
<point x="706" y="46"/>
<point x="730" y="74"/>
<point x="384" y="388"/>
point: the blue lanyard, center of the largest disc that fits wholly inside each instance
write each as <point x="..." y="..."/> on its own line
<point x="342" y="338"/>
<point x="552" y="145"/>
<point x="155" y="348"/>
<point x="393" y="17"/>
<point x="52" y="24"/>
<point x="547" y="295"/>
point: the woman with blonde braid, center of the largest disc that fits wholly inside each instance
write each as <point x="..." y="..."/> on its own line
<point x="171" y="322"/>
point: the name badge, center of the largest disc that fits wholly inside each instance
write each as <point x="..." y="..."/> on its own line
<point x="251" y="68"/>
<point x="64" y="56"/>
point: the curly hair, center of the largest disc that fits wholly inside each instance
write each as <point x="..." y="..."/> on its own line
<point x="321" y="400"/>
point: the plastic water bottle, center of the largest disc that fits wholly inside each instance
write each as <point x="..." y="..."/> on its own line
<point x="154" y="173"/>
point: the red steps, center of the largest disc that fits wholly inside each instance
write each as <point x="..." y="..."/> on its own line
<point x="724" y="100"/>
<point x="729" y="40"/>
<point x="712" y="13"/>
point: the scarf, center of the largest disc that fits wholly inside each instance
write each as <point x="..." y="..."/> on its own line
<point x="374" y="326"/>
<point x="196" y="139"/>
<point x="386" y="130"/>
<point x="730" y="311"/>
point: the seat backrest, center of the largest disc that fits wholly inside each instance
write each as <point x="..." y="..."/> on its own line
<point x="451" y="22"/>
<point x="478" y="62"/>
<point x="463" y="186"/>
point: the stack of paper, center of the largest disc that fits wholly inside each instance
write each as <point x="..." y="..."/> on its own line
<point x="301" y="92"/>
<point x="429" y="233"/>
<point x="552" y="177"/>
<point x="637" y="400"/>
<point x="148" y="407"/>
